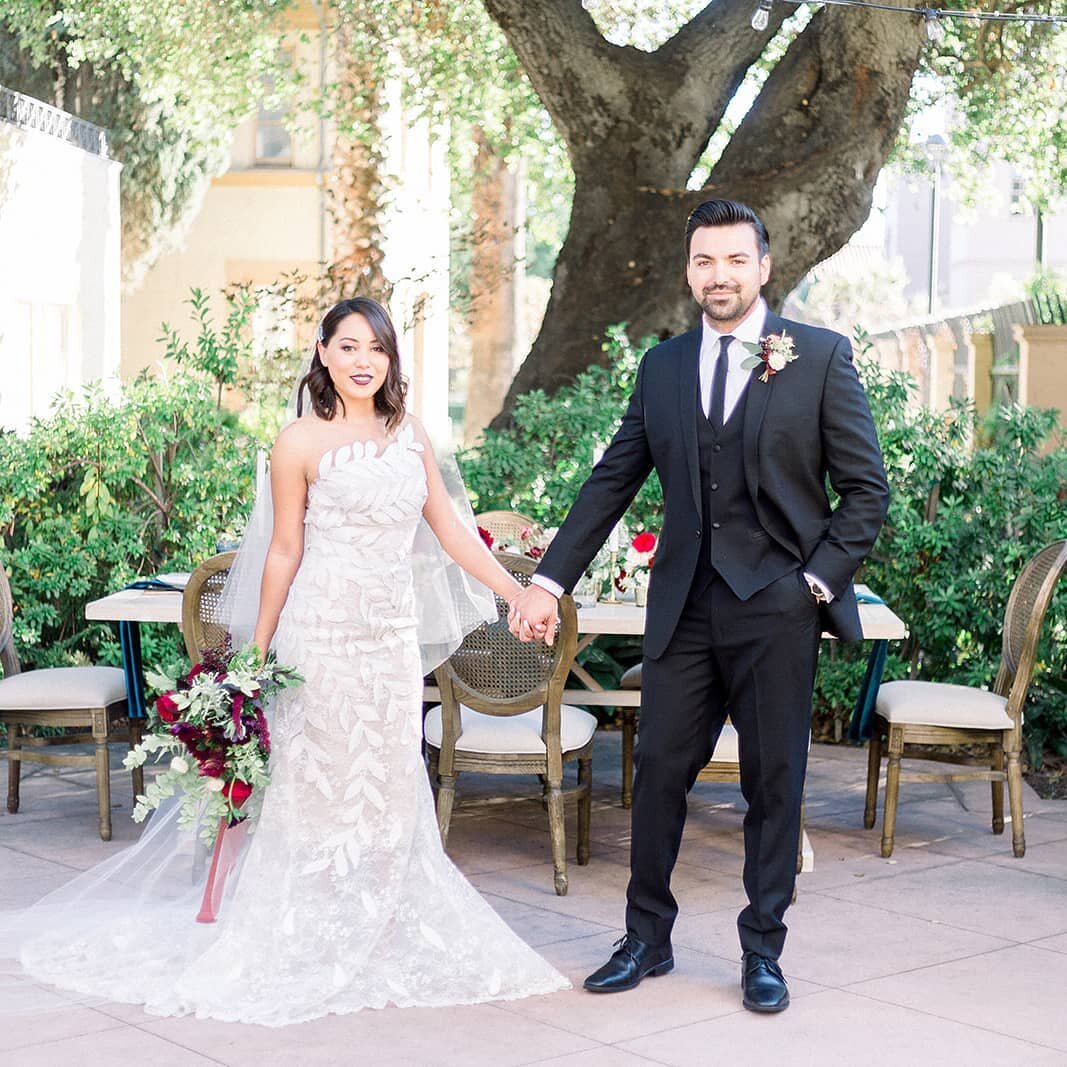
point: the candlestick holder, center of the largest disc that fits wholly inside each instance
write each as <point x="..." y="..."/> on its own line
<point x="613" y="566"/>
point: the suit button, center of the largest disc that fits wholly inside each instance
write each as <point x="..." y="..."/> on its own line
<point x="716" y="525"/>
<point x="714" y="486"/>
<point x="698" y="533"/>
<point x="716" y="448"/>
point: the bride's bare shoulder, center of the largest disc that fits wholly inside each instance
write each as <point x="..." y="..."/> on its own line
<point x="300" y="439"/>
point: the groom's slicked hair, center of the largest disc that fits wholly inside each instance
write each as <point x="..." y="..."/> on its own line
<point x="726" y="213"/>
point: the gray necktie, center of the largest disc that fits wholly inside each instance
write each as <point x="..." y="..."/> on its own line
<point x="718" y="384"/>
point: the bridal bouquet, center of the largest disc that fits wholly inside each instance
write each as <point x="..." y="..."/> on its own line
<point x="210" y="722"/>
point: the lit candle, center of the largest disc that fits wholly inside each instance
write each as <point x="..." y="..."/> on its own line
<point x="613" y="539"/>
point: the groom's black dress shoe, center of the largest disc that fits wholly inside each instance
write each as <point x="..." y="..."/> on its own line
<point x="632" y="961"/>
<point x="763" y="984"/>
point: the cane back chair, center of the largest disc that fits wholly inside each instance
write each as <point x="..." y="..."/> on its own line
<point x="910" y="713"/>
<point x="507" y="527"/>
<point x="202" y="624"/>
<point x="501" y="712"/>
<point x="91" y="701"/>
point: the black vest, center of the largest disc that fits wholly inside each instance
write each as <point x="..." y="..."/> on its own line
<point x="739" y="549"/>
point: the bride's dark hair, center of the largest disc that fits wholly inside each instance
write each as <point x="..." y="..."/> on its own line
<point x="389" y="400"/>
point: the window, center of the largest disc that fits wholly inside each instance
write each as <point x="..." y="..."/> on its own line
<point x="274" y="143"/>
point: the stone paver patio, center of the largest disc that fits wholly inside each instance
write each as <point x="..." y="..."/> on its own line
<point x="951" y="951"/>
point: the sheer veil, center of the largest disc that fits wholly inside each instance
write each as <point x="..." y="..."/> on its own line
<point x="155" y="884"/>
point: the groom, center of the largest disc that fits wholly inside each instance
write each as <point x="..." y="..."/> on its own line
<point x="751" y="565"/>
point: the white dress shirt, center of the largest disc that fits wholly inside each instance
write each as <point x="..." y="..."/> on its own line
<point x="737" y="378"/>
<point x="749" y="329"/>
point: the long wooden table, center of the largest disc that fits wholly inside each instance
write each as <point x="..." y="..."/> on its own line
<point x="594" y="619"/>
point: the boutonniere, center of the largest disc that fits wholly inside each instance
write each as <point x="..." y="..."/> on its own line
<point x="774" y="351"/>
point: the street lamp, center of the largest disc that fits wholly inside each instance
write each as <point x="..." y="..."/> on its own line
<point x="935" y="153"/>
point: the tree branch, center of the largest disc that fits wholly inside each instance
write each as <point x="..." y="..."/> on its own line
<point x="711" y="54"/>
<point x="835" y="103"/>
<point x="574" y="71"/>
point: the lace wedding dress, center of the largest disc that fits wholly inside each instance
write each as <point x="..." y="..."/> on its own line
<point x="344" y="898"/>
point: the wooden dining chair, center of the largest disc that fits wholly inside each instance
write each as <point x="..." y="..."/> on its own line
<point x="81" y="705"/>
<point x="501" y="712"/>
<point x="202" y="624"/>
<point x="912" y="716"/>
<point x="507" y="527"/>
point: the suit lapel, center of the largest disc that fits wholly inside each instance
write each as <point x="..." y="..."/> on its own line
<point x="689" y="405"/>
<point x="759" y="393"/>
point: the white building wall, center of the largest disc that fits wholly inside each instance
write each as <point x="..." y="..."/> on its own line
<point x="60" y="271"/>
<point x="982" y="250"/>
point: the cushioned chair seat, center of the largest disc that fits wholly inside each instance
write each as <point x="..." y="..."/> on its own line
<point x="725" y="750"/>
<point x="512" y="733"/>
<point x="942" y="704"/>
<point x="62" y="689"/>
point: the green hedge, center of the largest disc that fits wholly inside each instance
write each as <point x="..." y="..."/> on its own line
<point x="105" y="490"/>
<point x="970" y="503"/>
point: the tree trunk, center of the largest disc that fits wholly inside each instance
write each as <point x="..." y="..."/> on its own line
<point x="805" y="157"/>
<point x="497" y="308"/>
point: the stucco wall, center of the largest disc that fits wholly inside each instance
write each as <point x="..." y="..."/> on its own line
<point x="60" y="300"/>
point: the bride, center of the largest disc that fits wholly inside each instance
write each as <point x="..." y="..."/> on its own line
<point x="344" y="898"/>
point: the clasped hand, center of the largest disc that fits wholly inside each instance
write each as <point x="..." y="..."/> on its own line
<point x="532" y="615"/>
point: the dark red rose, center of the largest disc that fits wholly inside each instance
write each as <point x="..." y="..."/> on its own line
<point x="197" y="668"/>
<point x="211" y="766"/>
<point x="237" y="791"/>
<point x="644" y="542"/>
<point x="166" y="708"/>
<point x="486" y="536"/>
<point x="535" y="552"/>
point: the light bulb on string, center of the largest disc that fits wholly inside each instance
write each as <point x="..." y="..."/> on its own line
<point x="761" y="16"/>
<point x="935" y="31"/>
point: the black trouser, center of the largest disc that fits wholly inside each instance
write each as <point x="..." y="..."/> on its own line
<point x="755" y="661"/>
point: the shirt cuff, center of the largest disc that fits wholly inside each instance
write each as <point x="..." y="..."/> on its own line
<point x="821" y="584"/>
<point x="547" y="584"/>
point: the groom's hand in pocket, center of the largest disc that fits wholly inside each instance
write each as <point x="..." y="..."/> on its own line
<point x="533" y="615"/>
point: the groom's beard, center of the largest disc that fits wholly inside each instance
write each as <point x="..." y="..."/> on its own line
<point x="727" y="306"/>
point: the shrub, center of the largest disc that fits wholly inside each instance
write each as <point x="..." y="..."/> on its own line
<point x="971" y="502"/>
<point x="105" y="490"/>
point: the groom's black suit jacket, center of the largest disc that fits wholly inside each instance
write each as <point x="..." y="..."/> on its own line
<point x="808" y="421"/>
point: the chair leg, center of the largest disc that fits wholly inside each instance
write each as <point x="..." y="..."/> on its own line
<point x="103" y="773"/>
<point x="629" y="728"/>
<point x="585" y="807"/>
<point x="14" y="766"/>
<point x="446" y="795"/>
<point x="135" y="728"/>
<point x="1015" y="799"/>
<point x="557" y="833"/>
<point x="998" y="790"/>
<point x="892" y="789"/>
<point x="874" y="769"/>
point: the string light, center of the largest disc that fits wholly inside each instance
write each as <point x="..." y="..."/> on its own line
<point x="932" y="16"/>
<point x="935" y="31"/>
<point x="761" y="17"/>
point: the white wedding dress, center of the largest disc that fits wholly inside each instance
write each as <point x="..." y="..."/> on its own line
<point x="344" y="898"/>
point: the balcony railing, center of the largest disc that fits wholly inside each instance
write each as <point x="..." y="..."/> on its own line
<point x="25" y="111"/>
